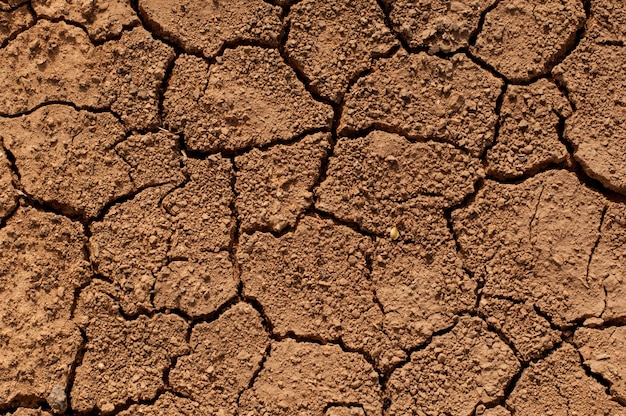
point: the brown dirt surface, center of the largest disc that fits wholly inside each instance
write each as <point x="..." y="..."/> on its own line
<point x="425" y="97"/>
<point x="308" y="378"/>
<point x="201" y="27"/>
<point x="103" y="19"/>
<point x="454" y="373"/>
<point x="274" y="186"/>
<point x="439" y="25"/>
<point x="603" y="353"/>
<point x="558" y="385"/>
<point x="334" y="41"/>
<point x="528" y="138"/>
<point x="312" y="207"/>
<point x="523" y="39"/>
<point x="250" y="97"/>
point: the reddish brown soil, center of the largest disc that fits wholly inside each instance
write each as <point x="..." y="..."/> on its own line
<point x="313" y="207"/>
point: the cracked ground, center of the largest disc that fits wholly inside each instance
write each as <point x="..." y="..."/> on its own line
<point x="313" y="207"/>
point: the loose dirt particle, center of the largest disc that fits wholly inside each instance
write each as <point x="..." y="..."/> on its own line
<point x="103" y="19"/>
<point x="558" y="385"/>
<point x="124" y="361"/>
<point x="440" y="26"/>
<point x="8" y="195"/>
<point x="57" y="62"/>
<point x="306" y="378"/>
<point x="42" y="265"/>
<point x="314" y="283"/>
<point x="532" y="242"/>
<point x="454" y="373"/>
<point x="274" y="186"/>
<point x="166" y="405"/>
<point x="334" y="41"/>
<point x="603" y="353"/>
<point x="420" y="292"/>
<point x="595" y="77"/>
<point x="528" y="139"/>
<point x="523" y="39"/>
<point x="496" y="411"/>
<point x="520" y="324"/>
<point x="383" y="180"/>
<point x="226" y="354"/>
<point x="607" y="22"/>
<point x="250" y="97"/>
<point x="425" y="97"/>
<point x="608" y="263"/>
<point x="13" y="22"/>
<point x="201" y="27"/>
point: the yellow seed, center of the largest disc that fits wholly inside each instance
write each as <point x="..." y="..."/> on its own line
<point x="394" y="233"/>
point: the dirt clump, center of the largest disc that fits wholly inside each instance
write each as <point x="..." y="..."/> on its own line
<point x="306" y="377"/>
<point x="528" y="138"/>
<point x="425" y="97"/>
<point x="225" y="355"/>
<point x="494" y="411"/>
<point x="8" y="194"/>
<point x="595" y="77"/>
<point x="13" y="22"/>
<point x="42" y="265"/>
<point x="383" y="180"/>
<point x="249" y="97"/>
<point x="439" y="26"/>
<point x="124" y="360"/>
<point x="533" y="241"/>
<point x="454" y="373"/>
<point x="558" y="385"/>
<point x="205" y="28"/>
<point x="23" y="411"/>
<point x="57" y="62"/>
<point x="332" y="42"/>
<point x="607" y="22"/>
<point x="523" y="39"/>
<point x="274" y="186"/>
<point x="102" y="19"/>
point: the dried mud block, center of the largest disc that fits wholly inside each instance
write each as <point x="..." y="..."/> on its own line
<point x="225" y="356"/>
<point x="532" y="241"/>
<point x="332" y="42"/>
<point x="523" y="39"/>
<point x="607" y="22"/>
<point x="603" y="352"/>
<point x="383" y="180"/>
<point x="314" y="283"/>
<point x="166" y="405"/>
<point x="529" y="332"/>
<point x="124" y="361"/>
<point x="8" y="194"/>
<point x="66" y="158"/>
<point x="250" y="97"/>
<point x="454" y="373"/>
<point x="103" y="19"/>
<point x="300" y="377"/>
<point x="595" y="77"/>
<point x="154" y="158"/>
<point x="420" y="293"/>
<point x="440" y="25"/>
<point x="201" y="27"/>
<point x="42" y="266"/>
<point x="608" y="263"/>
<point x="558" y="385"/>
<point x="196" y="288"/>
<point x="13" y="22"/>
<point x="200" y="210"/>
<point x="130" y="244"/>
<point x="57" y="62"/>
<point x="274" y="186"/>
<point x="529" y="136"/>
<point x="426" y="97"/>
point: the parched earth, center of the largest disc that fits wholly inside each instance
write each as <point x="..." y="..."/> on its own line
<point x="314" y="207"/>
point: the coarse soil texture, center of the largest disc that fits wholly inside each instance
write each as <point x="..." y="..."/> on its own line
<point x="313" y="207"/>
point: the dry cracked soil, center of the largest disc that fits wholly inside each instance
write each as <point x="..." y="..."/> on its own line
<point x="313" y="207"/>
